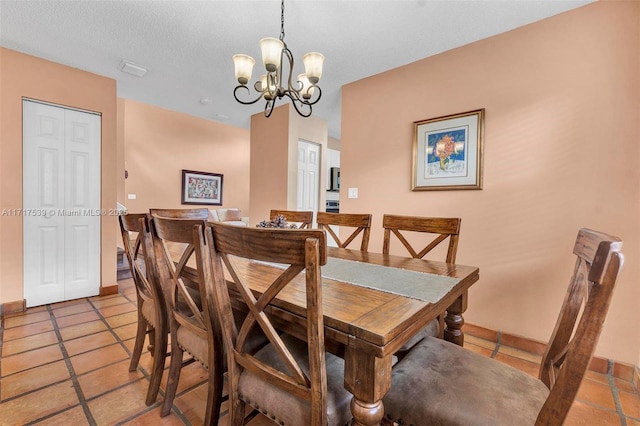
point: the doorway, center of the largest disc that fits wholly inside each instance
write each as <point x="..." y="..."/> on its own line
<point x="308" y="176"/>
<point x="61" y="203"/>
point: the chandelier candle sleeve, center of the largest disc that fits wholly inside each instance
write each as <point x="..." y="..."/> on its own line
<point x="313" y="66"/>
<point x="244" y="67"/>
<point x="271" y="53"/>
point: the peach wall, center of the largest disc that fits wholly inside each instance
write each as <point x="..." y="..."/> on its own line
<point x="27" y="76"/>
<point x="159" y="143"/>
<point x="274" y="158"/>
<point x="562" y="101"/>
<point x="269" y="165"/>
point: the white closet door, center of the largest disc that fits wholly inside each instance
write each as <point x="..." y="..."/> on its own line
<point x="61" y="201"/>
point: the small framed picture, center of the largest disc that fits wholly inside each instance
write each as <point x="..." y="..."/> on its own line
<point x="447" y="152"/>
<point x="201" y="188"/>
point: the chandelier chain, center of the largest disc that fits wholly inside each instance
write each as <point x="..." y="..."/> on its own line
<point x="282" y="21"/>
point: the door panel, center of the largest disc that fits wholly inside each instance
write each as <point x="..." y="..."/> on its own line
<point x="43" y="194"/>
<point x="82" y="200"/>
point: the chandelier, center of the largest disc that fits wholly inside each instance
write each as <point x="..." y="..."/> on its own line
<point x="303" y="92"/>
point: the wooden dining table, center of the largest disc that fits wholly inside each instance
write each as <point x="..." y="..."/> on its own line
<point x="372" y="305"/>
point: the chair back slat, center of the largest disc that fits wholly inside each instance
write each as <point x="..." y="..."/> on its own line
<point x="442" y="227"/>
<point x="174" y="243"/>
<point x="294" y="251"/>
<point x="361" y="223"/>
<point x="579" y="324"/>
<point x="131" y="239"/>
<point x="304" y="218"/>
<point x="202" y="213"/>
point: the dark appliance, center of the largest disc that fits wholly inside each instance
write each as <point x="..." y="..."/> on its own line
<point x="335" y="178"/>
<point x="333" y="206"/>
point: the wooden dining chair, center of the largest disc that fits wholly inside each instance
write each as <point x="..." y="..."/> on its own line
<point x="152" y="311"/>
<point x="361" y="223"/>
<point x="303" y="218"/>
<point x="202" y="213"/>
<point x="290" y="381"/>
<point x="173" y="245"/>
<point x="441" y="228"/>
<point x="441" y="383"/>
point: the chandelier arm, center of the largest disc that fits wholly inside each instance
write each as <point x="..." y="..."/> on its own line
<point x="260" y="95"/>
<point x="309" y="102"/>
<point x="286" y="52"/>
<point x="295" y="102"/>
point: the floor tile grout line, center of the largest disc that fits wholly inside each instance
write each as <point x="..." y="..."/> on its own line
<point x="597" y="406"/>
<point x="110" y="329"/>
<point x="616" y="396"/>
<point x="72" y="373"/>
<point x="51" y="415"/>
<point x="29" y="392"/>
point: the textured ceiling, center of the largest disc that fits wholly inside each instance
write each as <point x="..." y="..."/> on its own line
<point x="188" y="45"/>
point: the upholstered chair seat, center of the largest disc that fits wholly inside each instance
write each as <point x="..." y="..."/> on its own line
<point x="459" y="387"/>
<point x="284" y="407"/>
<point x="439" y="383"/>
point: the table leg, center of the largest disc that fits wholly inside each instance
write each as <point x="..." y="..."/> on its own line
<point x="454" y="320"/>
<point x="368" y="378"/>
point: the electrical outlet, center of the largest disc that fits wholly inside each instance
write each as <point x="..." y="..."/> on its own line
<point x="353" y="193"/>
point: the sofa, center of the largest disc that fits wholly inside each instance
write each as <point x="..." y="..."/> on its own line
<point x="229" y="216"/>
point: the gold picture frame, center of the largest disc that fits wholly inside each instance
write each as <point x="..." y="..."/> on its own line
<point x="447" y="152"/>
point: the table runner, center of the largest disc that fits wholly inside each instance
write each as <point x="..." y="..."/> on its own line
<point x="417" y="285"/>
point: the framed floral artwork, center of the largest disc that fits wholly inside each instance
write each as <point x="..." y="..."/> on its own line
<point x="447" y="152"/>
<point x="201" y="188"/>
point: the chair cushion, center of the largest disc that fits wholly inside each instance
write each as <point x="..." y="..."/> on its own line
<point x="439" y="383"/>
<point x="149" y="312"/>
<point x="284" y="407"/>
<point x="194" y="341"/>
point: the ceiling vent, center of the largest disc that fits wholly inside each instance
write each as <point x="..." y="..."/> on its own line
<point x="131" y="68"/>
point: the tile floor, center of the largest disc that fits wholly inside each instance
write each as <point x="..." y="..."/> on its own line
<point x="67" y="364"/>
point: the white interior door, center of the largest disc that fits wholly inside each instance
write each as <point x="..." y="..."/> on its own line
<point x="61" y="203"/>
<point x="308" y="175"/>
